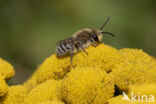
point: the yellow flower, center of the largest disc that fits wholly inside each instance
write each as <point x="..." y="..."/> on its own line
<point x="15" y="95"/>
<point x="3" y="85"/>
<point x="144" y="92"/>
<point x="52" y="102"/>
<point x="6" y="72"/>
<point x="43" y="92"/>
<point x="136" y="67"/>
<point x="143" y="89"/>
<point x="91" y="78"/>
<point x="118" y="100"/>
<point x="135" y="56"/>
<point x="103" y="57"/>
<point x="87" y="86"/>
<point x="6" y="69"/>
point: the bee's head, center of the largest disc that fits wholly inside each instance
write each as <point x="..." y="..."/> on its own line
<point x="96" y="36"/>
<point x="99" y="33"/>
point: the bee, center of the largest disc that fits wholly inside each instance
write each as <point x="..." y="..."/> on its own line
<point x="80" y="41"/>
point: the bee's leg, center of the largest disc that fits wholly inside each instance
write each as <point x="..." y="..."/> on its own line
<point x="94" y="44"/>
<point x="84" y="50"/>
<point x="71" y="55"/>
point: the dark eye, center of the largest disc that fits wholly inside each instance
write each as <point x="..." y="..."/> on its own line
<point x="95" y="37"/>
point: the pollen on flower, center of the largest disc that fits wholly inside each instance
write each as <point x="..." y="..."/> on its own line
<point x="52" y="102"/>
<point x="15" y="95"/>
<point x="143" y="89"/>
<point x="43" y="92"/>
<point x="87" y="86"/>
<point x="6" y="69"/>
<point x="136" y="67"/>
<point x="135" y="55"/>
<point x="3" y="86"/>
<point x="103" y="56"/>
<point x="118" y="100"/>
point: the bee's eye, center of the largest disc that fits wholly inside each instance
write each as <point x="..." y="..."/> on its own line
<point x="95" y="37"/>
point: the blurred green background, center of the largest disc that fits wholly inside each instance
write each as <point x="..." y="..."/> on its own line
<point x="30" y="29"/>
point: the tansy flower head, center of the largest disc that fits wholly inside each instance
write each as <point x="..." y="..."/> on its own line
<point x="103" y="57"/>
<point x="3" y="85"/>
<point x="143" y="89"/>
<point x="135" y="56"/>
<point x="136" y="67"/>
<point x="15" y="95"/>
<point x="43" y="92"/>
<point x="138" y="90"/>
<point x="95" y="78"/>
<point x="87" y="86"/>
<point x="52" y="102"/>
<point x="6" y="72"/>
<point x="118" y="100"/>
<point x="6" y="69"/>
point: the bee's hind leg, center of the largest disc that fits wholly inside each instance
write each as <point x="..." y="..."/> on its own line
<point x="84" y="50"/>
<point x="71" y="55"/>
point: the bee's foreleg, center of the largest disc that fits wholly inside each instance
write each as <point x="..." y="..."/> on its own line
<point x="94" y="44"/>
<point x="84" y="50"/>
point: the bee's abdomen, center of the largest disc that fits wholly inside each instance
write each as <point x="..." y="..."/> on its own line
<point x="62" y="49"/>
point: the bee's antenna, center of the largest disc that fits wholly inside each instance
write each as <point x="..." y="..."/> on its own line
<point x="104" y="23"/>
<point x="108" y="33"/>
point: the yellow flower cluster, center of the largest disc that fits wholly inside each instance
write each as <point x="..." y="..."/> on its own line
<point x="90" y="79"/>
<point x="15" y="95"/>
<point x="103" y="57"/>
<point x="87" y="86"/>
<point x="6" y="72"/>
<point x="48" y="90"/>
<point x="144" y="90"/>
<point x="52" y="102"/>
<point x="118" y="100"/>
<point x="136" y="67"/>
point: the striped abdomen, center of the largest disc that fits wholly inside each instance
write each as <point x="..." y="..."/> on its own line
<point x="72" y="45"/>
<point x="64" y="47"/>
